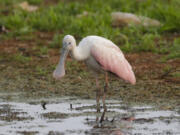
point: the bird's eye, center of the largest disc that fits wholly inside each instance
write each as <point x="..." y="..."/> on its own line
<point x="69" y="43"/>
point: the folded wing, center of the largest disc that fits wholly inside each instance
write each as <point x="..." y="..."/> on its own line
<point x="112" y="59"/>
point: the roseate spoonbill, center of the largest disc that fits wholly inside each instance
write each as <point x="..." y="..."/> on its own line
<point x="101" y="56"/>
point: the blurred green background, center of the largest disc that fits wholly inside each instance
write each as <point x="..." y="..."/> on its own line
<point x="60" y="17"/>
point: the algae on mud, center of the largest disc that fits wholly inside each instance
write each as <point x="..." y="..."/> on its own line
<point x="78" y="82"/>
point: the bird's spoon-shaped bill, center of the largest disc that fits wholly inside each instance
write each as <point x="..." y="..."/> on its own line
<point x="59" y="72"/>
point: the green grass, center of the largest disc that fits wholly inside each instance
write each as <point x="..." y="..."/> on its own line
<point x="44" y="50"/>
<point x="55" y="43"/>
<point x="1" y="58"/>
<point x="176" y="74"/>
<point x="41" y="71"/>
<point x="174" y="50"/>
<point x="62" y="18"/>
<point x="20" y="58"/>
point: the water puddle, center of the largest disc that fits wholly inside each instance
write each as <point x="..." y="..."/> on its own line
<point x="72" y="116"/>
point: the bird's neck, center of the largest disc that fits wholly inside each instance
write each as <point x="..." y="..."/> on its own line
<point x="77" y="53"/>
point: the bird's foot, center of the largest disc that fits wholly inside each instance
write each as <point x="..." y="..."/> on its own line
<point x="105" y="108"/>
<point x="98" y="108"/>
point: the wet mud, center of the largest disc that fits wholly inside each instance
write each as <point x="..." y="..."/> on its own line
<point x="72" y="116"/>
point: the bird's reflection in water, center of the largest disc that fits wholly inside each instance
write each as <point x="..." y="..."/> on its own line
<point x="108" y="125"/>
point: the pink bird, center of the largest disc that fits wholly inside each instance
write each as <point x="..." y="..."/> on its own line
<point x="101" y="56"/>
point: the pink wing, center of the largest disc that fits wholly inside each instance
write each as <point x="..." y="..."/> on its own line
<point x="112" y="59"/>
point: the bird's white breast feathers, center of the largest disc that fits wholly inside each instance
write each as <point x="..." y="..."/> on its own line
<point x="83" y="50"/>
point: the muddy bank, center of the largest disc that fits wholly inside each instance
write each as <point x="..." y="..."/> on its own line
<point x="79" y="82"/>
<point x="27" y="67"/>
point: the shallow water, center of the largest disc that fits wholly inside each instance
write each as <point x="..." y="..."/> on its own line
<point x="59" y="118"/>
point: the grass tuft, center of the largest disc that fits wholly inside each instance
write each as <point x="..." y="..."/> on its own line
<point x="20" y="58"/>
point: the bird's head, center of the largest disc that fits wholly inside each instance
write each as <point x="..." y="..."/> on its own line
<point x="68" y="44"/>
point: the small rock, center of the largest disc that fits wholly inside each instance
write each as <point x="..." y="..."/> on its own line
<point x="126" y="19"/>
<point x="25" y="6"/>
<point x="44" y="56"/>
<point x="79" y="78"/>
<point x="3" y="29"/>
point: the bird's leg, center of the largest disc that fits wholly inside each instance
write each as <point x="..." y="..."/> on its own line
<point x="105" y="91"/>
<point x="102" y="116"/>
<point x="98" y="93"/>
